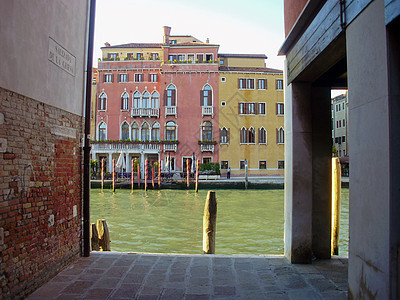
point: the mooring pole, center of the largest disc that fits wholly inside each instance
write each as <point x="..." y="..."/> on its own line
<point x="246" y="168"/>
<point x="209" y="223"/>
<point x="145" y="174"/>
<point x="152" y="177"/>
<point x="197" y="177"/>
<point x="138" y="175"/>
<point x="102" y="174"/>
<point x="336" y="201"/>
<point x="132" y="174"/>
<point x="159" y="174"/>
<point x="187" y="172"/>
<point x="113" y="175"/>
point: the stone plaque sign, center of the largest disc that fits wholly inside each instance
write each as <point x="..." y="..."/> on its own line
<point x="59" y="56"/>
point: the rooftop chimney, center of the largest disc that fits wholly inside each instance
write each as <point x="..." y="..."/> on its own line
<point x="107" y="44"/>
<point x="167" y="32"/>
<point x="207" y="41"/>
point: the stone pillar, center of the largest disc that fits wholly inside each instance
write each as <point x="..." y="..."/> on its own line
<point x="321" y="172"/>
<point x="373" y="78"/>
<point x="298" y="173"/>
<point x="307" y="172"/>
<point x="110" y="165"/>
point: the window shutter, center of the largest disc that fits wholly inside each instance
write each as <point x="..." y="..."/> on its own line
<point x="119" y="78"/>
<point x="239" y="83"/>
<point x="239" y="108"/>
<point x="127" y="77"/>
<point x="149" y="80"/>
<point x="228" y="135"/>
<point x="122" y="102"/>
<point x="220" y="135"/>
<point x="165" y="98"/>
<point x="276" y="108"/>
<point x="256" y="108"/>
<point x="112" y="77"/>
<point x="201" y="98"/>
<point x="210" y="97"/>
<point x="104" y="77"/>
<point x="266" y="83"/>
<point x="259" y="135"/>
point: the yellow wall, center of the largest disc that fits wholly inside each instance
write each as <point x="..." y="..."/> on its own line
<point x="243" y="62"/>
<point x="230" y="118"/>
<point x="122" y="52"/>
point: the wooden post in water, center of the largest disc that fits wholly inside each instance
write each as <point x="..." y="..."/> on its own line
<point x="336" y="201"/>
<point x="152" y="177"/>
<point x="246" y="168"/>
<point x="94" y="237"/>
<point x="113" y="175"/>
<point x="145" y="174"/>
<point x="197" y="177"/>
<point x="104" y="235"/>
<point x="132" y="173"/>
<point x="102" y="174"/>
<point x="209" y="223"/>
<point x="187" y="172"/>
<point x="138" y="175"/>
<point x="159" y="173"/>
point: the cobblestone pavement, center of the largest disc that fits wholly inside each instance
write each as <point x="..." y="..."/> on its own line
<point x="113" y="275"/>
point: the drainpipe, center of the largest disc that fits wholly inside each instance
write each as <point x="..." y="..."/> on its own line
<point x="343" y="14"/>
<point x="86" y="147"/>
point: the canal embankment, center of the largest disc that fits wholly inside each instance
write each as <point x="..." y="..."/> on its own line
<point x="222" y="183"/>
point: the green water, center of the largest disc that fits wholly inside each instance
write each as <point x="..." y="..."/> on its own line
<point x="170" y="221"/>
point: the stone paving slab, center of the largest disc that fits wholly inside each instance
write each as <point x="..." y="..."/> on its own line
<point x="113" y="275"/>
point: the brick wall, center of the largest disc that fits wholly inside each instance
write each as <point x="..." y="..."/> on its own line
<point x="40" y="179"/>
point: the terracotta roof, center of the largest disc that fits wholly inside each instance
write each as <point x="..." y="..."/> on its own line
<point x="243" y="55"/>
<point x="249" y="69"/>
<point x="135" y="45"/>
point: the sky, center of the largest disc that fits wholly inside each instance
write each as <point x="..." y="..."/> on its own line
<point x="251" y="27"/>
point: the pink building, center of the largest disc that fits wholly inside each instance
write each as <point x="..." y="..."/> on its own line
<point x="158" y="101"/>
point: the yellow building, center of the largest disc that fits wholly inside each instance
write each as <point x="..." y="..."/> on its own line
<point x="251" y="116"/>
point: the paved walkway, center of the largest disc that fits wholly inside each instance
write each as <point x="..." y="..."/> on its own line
<point x="113" y="275"/>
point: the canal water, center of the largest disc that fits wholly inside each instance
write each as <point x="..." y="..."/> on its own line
<point x="249" y="222"/>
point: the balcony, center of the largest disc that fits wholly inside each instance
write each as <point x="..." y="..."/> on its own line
<point x="145" y="112"/>
<point x="207" y="111"/>
<point x="170" y="111"/>
<point x="207" y="148"/>
<point x="170" y="147"/>
<point x="126" y="146"/>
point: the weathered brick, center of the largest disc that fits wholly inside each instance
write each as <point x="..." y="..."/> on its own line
<point x="47" y="163"/>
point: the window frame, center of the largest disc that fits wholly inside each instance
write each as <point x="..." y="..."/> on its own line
<point x="138" y="77"/>
<point x="279" y="84"/>
<point x="262" y="86"/>
<point x="259" y="165"/>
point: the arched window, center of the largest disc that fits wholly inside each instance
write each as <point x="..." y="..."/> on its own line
<point x="206" y="131"/>
<point x="280" y="136"/>
<point x="155" y="132"/>
<point x="145" y="132"/>
<point x="102" y="133"/>
<point x="125" y="101"/>
<point x="262" y="136"/>
<point x="146" y="100"/>
<point x="155" y="98"/>
<point x="170" y="96"/>
<point x="206" y="96"/>
<point x="170" y="131"/>
<point x="252" y="136"/>
<point x="124" y="131"/>
<point x="135" y="131"/>
<point x="103" y="101"/>
<point x="224" y="136"/>
<point x="136" y="100"/>
<point x="243" y="135"/>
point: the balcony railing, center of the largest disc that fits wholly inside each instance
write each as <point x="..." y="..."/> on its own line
<point x="170" y="111"/>
<point x="207" y="148"/>
<point x="145" y="112"/>
<point x="170" y="147"/>
<point x="207" y="111"/>
<point x="119" y="146"/>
